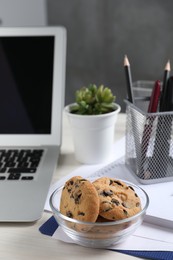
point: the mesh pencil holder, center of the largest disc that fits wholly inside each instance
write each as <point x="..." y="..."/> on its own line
<point x="149" y="145"/>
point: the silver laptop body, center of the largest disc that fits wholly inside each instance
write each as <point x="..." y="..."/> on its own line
<point x="32" y="86"/>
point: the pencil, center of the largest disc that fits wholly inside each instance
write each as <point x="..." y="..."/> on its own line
<point x="128" y="79"/>
<point x="164" y="86"/>
<point x="131" y="100"/>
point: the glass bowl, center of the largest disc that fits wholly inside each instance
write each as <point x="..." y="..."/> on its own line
<point x="99" y="234"/>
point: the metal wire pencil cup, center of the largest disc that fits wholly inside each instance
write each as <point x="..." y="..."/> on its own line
<point x="149" y="144"/>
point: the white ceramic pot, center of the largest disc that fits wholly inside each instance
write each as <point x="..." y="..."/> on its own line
<point x="93" y="135"/>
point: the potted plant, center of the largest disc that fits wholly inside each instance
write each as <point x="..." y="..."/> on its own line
<point x="92" y="118"/>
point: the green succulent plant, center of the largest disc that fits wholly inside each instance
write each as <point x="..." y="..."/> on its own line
<point x="93" y="100"/>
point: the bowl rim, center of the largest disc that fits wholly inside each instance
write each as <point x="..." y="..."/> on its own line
<point x="106" y="223"/>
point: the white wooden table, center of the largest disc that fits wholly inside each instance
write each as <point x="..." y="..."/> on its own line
<point x="20" y="241"/>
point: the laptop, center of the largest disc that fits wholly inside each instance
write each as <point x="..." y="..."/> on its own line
<point x="32" y="87"/>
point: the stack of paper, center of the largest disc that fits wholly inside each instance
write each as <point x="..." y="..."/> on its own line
<point x="156" y="232"/>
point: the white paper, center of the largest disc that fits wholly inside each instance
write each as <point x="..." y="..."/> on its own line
<point x="147" y="236"/>
<point x="138" y="241"/>
<point x="160" y="195"/>
<point x="161" y="200"/>
<point x="154" y="232"/>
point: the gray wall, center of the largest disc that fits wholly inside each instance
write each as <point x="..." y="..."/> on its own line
<point x="100" y="32"/>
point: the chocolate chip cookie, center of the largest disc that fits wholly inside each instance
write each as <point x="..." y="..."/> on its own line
<point x="117" y="200"/>
<point x="79" y="200"/>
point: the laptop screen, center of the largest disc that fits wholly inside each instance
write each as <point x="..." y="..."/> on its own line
<point x="26" y="80"/>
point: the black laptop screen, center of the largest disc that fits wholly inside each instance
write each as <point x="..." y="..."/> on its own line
<point x="26" y="78"/>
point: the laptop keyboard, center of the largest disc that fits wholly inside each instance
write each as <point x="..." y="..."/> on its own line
<point x="19" y="164"/>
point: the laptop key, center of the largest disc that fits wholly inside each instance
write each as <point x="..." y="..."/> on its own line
<point x="34" y="164"/>
<point x="14" y="176"/>
<point x="22" y="170"/>
<point x="14" y="163"/>
<point x="2" y="178"/>
<point x="2" y="170"/>
<point x="27" y="178"/>
<point x="22" y="165"/>
<point x="9" y="164"/>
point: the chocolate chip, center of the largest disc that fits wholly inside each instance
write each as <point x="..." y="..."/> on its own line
<point x="77" y="197"/>
<point x="125" y="212"/>
<point x="71" y="182"/>
<point x="109" y="205"/>
<point x="137" y="204"/>
<point x="111" y="181"/>
<point x="81" y="214"/>
<point x="106" y="193"/>
<point x="114" y="201"/>
<point x="119" y="183"/>
<point x="124" y="205"/>
<point x="69" y="214"/>
<point x="136" y="195"/>
<point x="115" y="181"/>
<point x="131" y="188"/>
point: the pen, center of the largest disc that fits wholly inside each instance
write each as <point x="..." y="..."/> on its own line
<point x="164" y="86"/>
<point x="152" y="108"/>
<point x="154" y="168"/>
<point x="168" y="101"/>
<point x="154" y="100"/>
<point x="128" y="79"/>
<point x="160" y="160"/>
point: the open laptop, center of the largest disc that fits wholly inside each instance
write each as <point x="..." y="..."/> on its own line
<point x="32" y="82"/>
